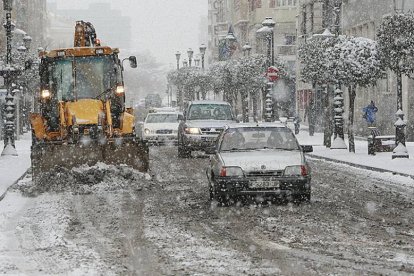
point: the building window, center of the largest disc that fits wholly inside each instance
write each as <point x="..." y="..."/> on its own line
<point x="290" y="39"/>
<point x="272" y="4"/>
<point x="286" y="3"/>
<point x="236" y="4"/>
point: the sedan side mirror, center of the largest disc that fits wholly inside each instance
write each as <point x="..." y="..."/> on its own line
<point x="307" y="148"/>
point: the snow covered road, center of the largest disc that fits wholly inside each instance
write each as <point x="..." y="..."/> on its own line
<point x="115" y="221"/>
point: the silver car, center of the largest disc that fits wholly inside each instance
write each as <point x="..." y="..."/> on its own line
<point x="203" y="122"/>
<point x="261" y="160"/>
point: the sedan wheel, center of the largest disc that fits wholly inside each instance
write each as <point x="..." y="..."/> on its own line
<point x="305" y="198"/>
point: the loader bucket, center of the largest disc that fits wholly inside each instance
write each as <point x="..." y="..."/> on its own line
<point x="47" y="156"/>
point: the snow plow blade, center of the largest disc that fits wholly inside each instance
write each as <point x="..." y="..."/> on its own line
<point x="48" y="156"/>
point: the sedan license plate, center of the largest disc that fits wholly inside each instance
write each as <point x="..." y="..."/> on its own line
<point x="258" y="184"/>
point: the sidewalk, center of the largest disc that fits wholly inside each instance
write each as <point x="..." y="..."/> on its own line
<point x="381" y="161"/>
<point x="13" y="167"/>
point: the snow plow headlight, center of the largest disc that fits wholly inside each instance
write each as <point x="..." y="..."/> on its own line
<point x="45" y="94"/>
<point x="192" y="130"/>
<point x="120" y="90"/>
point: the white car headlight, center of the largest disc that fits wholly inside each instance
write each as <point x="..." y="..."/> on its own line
<point x="147" y="131"/>
<point x="231" y="171"/>
<point x="192" y="130"/>
<point x="296" y="170"/>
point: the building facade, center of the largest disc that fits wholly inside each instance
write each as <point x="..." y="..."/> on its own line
<point x="244" y="18"/>
<point x="218" y="25"/>
<point x="30" y="17"/>
<point x="360" y="19"/>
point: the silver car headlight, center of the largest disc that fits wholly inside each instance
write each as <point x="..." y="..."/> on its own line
<point x="147" y="131"/>
<point x="192" y="130"/>
<point x="231" y="171"/>
<point x="299" y="170"/>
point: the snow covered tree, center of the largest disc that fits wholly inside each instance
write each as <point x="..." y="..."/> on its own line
<point x="190" y="82"/>
<point x="248" y="78"/>
<point x="222" y="79"/>
<point x="356" y="63"/>
<point x="396" y="46"/>
<point x="317" y="68"/>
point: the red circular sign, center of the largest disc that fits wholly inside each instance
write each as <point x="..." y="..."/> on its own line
<point x="272" y="73"/>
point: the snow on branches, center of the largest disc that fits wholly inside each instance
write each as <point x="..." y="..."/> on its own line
<point x="348" y="60"/>
<point x="233" y="77"/>
<point x="396" y="42"/>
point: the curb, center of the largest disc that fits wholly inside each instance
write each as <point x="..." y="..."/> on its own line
<point x="358" y="165"/>
<point x="20" y="178"/>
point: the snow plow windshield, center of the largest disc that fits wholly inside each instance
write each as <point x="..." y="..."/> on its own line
<point x="82" y="77"/>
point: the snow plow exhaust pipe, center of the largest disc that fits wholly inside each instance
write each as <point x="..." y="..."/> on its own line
<point x="47" y="156"/>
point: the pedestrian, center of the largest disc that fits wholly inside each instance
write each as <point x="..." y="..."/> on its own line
<point x="310" y="114"/>
<point x="369" y="113"/>
<point x="296" y="123"/>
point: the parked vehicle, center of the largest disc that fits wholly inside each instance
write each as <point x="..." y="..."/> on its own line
<point x="262" y="160"/>
<point x="203" y="122"/>
<point x="161" y="126"/>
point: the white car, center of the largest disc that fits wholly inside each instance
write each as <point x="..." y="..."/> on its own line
<point x="161" y="127"/>
<point x="262" y="160"/>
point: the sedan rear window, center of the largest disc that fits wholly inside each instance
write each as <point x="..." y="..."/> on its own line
<point x="162" y="118"/>
<point x="257" y="138"/>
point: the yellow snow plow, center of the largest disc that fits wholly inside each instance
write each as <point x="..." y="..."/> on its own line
<point x="82" y="117"/>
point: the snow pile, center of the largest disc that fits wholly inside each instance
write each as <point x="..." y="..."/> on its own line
<point x="85" y="180"/>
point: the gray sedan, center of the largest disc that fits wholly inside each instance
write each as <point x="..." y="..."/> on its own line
<point x="260" y="160"/>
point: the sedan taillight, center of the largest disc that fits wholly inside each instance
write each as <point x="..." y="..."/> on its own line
<point x="223" y="171"/>
<point x="303" y="170"/>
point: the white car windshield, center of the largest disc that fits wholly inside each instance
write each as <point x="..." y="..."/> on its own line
<point x="256" y="138"/>
<point x="210" y="112"/>
<point x="162" y="118"/>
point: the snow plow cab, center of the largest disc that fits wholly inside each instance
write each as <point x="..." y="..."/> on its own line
<point x="82" y="117"/>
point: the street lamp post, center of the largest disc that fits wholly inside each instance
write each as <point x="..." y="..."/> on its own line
<point x="196" y="61"/>
<point x="7" y="73"/>
<point x="190" y="53"/>
<point x="177" y="56"/>
<point x="202" y="52"/>
<point x="400" y="150"/>
<point x="266" y="31"/>
<point x="270" y="23"/>
<point x="327" y="111"/>
<point x="246" y="48"/>
<point x="230" y="39"/>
